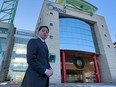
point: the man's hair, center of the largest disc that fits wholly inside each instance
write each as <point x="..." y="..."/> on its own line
<point x="42" y="27"/>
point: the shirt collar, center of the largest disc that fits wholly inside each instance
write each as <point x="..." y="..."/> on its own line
<point x="41" y="39"/>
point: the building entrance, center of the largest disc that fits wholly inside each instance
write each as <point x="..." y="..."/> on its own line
<point x="78" y="67"/>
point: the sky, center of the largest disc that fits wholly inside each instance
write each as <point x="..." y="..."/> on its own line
<point x="28" y="12"/>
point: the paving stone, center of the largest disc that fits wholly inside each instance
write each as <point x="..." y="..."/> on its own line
<point x="7" y="84"/>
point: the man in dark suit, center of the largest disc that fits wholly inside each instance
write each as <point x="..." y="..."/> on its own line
<point x="39" y="69"/>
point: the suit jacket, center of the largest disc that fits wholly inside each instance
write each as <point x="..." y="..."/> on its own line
<point x="37" y="59"/>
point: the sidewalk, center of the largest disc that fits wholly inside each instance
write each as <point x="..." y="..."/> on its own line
<point x="6" y="84"/>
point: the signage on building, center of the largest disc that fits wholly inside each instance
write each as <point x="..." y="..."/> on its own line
<point x="52" y="7"/>
<point x="25" y="33"/>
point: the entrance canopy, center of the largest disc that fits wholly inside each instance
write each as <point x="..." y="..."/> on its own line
<point x="78" y="4"/>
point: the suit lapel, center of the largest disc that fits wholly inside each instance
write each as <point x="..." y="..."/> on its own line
<point x="43" y="45"/>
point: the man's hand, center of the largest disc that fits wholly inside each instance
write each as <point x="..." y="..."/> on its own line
<point x="49" y="72"/>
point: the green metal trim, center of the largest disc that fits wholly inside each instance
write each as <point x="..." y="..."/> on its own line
<point x="78" y="4"/>
<point x="7" y="13"/>
<point x="7" y="10"/>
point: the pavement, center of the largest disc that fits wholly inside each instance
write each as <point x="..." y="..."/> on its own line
<point x="7" y="84"/>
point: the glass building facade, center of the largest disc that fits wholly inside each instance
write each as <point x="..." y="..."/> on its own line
<point x="76" y="40"/>
<point x="75" y="34"/>
<point x="18" y="63"/>
<point x="3" y="43"/>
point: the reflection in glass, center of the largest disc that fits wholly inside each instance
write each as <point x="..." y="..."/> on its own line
<point x="18" y="63"/>
<point x="75" y="35"/>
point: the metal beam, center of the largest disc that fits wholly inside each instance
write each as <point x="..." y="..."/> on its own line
<point x="7" y="15"/>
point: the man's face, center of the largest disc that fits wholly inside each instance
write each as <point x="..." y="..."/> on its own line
<point x="43" y="33"/>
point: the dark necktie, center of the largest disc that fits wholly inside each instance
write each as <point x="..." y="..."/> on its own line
<point x="45" y="48"/>
<point x="45" y="45"/>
